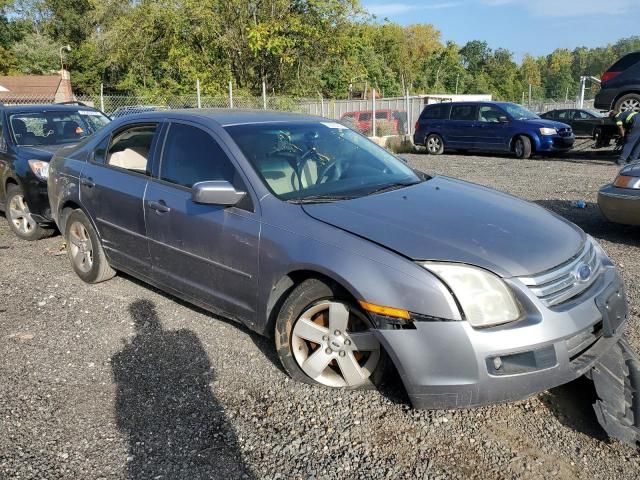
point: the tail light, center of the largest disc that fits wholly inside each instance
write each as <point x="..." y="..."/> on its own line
<point x="609" y="76"/>
<point x="416" y="126"/>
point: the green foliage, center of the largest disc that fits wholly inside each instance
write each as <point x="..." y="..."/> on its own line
<point x="303" y="48"/>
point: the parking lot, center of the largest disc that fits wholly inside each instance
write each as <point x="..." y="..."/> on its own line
<point x="119" y="380"/>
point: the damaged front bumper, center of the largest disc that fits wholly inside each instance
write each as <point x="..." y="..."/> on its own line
<point x="449" y="364"/>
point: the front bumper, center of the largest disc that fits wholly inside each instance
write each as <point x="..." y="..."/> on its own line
<point x="620" y="205"/>
<point x="555" y="143"/>
<point x="449" y="364"/>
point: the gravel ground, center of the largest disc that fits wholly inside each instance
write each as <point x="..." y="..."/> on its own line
<point x="120" y="380"/>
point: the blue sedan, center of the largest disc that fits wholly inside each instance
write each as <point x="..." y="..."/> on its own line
<point x="492" y="127"/>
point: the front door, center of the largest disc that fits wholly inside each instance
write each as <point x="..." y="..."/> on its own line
<point x="492" y="134"/>
<point x="209" y="252"/>
<point x="112" y="187"/>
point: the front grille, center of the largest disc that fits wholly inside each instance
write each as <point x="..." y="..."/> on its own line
<point x="564" y="132"/>
<point x="568" y="280"/>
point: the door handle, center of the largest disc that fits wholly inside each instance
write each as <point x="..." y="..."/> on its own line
<point x="88" y="182"/>
<point x="159" y="207"/>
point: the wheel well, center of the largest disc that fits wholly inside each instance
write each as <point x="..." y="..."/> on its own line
<point x="533" y="143"/>
<point x="629" y="92"/>
<point x="65" y="210"/>
<point x="283" y="287"/>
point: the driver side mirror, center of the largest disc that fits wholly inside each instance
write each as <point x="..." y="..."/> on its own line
<point x="217" y="192"/>
<point x="503" y="119"/>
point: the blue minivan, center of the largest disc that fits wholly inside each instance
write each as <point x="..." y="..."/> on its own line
<point x="490" y="127"/>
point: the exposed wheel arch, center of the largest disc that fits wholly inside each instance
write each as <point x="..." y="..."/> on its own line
<point x="617" y="99"/>
<point x="288" y="282"/>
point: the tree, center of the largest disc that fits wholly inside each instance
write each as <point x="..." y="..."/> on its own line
<point x="36" y="54"/>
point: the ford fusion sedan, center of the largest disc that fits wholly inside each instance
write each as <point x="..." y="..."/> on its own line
<point x="619" y="202"/>
<point x="500" y="127"/>
<point x="307" y="232"/>
<point x="29" y="136"/>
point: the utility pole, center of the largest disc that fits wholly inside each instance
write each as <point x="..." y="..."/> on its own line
<point x="230" y="94"/>
<point x="198" y="93"/>
<point x="457" y="78"/>
<point x="530" y="94"/>
<point x="264" y="95"/>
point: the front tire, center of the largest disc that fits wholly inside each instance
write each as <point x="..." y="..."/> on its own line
<point x="628" y="102"/>
<point x="322" y="338"/>
<point x="84" y="249"/>
<point x="434" y="144"/>
<point x="522" y="147"/>
<point x="19" y="217"/>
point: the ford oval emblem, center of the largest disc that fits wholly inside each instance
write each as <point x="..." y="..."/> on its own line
<point x="583" y="273"/>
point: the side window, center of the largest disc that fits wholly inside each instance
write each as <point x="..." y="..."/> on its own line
<point x="365" y="116"/>
<point x="191" y="155"/>
<point x="435" y="112"/>
<point x="100" y="153"/>
<point x="381" y="115"/>
<point x="130" y="149"/>
<point x="564" y="114"/>
<point x="463" y="112"/>
<point x="490" y="114"/>
<point x="3" y="142"/>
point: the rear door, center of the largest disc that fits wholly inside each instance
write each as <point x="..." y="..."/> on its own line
<point x="112" y="187"/>
<point x="208" y="252"/>
<point x="461" y="130"/>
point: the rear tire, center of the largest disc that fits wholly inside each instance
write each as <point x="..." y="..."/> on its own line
<point x="434" y="144"/>
<point x="19" y="217"/>
<point x="627" y="102"/>
<point x="316" y="334"/>
<point x="84" y="249"/>
<point x="522" y="147"/>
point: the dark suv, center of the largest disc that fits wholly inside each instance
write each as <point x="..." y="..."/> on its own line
<point x="29" y="136"/>
<point x="621" y="85"/>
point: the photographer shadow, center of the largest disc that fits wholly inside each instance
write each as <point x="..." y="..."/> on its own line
<point x="164" y="404"/>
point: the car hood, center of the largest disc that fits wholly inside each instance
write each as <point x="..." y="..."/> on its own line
<point x="543" y="122"/>
<point x="450" y="220"/>
<point x="40" y="152"/>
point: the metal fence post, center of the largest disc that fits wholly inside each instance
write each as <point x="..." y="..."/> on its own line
<point x="373" y="112"/>
<point x="102" y="97"/>
<point x="198" y="92"/>
<point x="230" y="94"/>
<point x="406" y="102"/>
<point x="321" y="106"/>
<point x="264" y="95"/>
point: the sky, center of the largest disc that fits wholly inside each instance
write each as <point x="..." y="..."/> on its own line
<point x="523" y="26"/>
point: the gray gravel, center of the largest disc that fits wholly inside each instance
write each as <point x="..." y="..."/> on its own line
<point x="119" y="380"/>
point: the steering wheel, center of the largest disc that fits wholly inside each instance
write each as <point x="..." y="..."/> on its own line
<point x="331" y="171"/>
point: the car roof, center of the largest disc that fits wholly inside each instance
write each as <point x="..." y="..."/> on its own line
<point x="51" y="107"/>
<point x="227" y="117"/>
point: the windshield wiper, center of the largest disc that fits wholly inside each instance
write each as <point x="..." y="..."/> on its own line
<point x="392" y="186"/>
<point x="320" y="199"/>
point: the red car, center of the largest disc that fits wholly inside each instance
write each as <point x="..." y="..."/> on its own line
<point x="362" y="120"/>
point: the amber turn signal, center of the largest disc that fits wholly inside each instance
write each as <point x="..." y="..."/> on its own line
<point x="386" y="311"/>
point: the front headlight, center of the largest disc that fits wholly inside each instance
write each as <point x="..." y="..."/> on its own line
<point x="625" y="181"/>
<point x="40" y="169"/>
<point x="548" y="131"/>
<point x="485" y="299"/>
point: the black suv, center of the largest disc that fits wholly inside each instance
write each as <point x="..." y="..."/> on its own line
<point x="621" y="85"/>
<point x="29" y="136"/>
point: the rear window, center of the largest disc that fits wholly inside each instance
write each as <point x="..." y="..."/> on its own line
<point x="463" y="112"/>
<point x="435" y="112"/>
<point x="625" y="62"/>
<point x="381" y="115"/>
<point x="365" y="116"/>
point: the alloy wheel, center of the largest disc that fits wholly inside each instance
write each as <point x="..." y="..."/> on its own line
<point x="434" y="144"/>
<point x="80" y="247"/>
<point x="20" y="215"/>
<point x="334" y="345"/>
<point x="519" y="148"/>
<point x="630" y="104"/>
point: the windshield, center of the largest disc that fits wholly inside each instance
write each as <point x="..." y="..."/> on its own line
<point x="312" y="161"/>
<point x="55" y="127"/>
<point x="518" y="112"/>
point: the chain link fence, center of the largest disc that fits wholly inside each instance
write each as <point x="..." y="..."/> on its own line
<point x="373" y="117"/>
